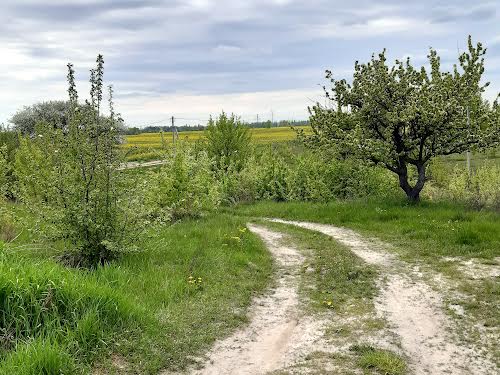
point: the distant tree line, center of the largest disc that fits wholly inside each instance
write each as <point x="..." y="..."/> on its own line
<point x="167" y="128"/>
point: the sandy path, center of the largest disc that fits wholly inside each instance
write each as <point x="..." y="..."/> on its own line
<point x="412" y="308"/>
<point x="278" y="335"/>
<point x="136" y="164"/>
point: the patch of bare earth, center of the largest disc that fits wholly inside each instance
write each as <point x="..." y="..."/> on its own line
<point x="475" y="269"/>
<point x="413" y="309"/>
<point x="279" y="334"/>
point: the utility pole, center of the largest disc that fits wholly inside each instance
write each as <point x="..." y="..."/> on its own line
<point x="272" y="117"/>
<point x="468" y="152"/>
<point x="257" y="118"/>
<point x="173" y="130"/>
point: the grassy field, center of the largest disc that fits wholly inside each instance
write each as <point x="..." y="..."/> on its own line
<point x="431" y="230"/>
<point x="142" y="312"/>
<point x="491" y="157"/>
<point x="147" y="146"/>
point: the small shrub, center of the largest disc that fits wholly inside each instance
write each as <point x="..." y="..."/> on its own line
<point x="239" y="186"/>
<point x="272" y="177"/>
<point x="4" y="170"/>
<point x="228" y="142"/>
<point x="8" y="230"/>
<point x="306" y="179"/>
<point x="480" y="188"/>
<point x="9" y="143"/>
<point x="183" y="187"/>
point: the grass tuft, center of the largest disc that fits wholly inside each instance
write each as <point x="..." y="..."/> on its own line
<point x="383" y="361"/>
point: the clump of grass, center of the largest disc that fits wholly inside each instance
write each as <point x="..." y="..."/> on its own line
<point x="39" y="357"/>
<point x="48" y="313"/>
<point x="468" y="237"/>
<point x="381" y="360"/>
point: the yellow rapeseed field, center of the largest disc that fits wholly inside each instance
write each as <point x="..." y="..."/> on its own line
<point x="145" y="146"/>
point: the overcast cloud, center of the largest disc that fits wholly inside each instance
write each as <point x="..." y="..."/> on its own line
<point x="193" y="58"/>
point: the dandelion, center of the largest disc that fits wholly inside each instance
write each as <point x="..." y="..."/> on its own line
<point x="328" y="304"/>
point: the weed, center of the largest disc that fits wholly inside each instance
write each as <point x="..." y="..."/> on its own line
<point x="383" y="361"/>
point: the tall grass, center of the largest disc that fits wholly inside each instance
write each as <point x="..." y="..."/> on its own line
<point x="46" y="310"/>
<point x="57" y="320"/>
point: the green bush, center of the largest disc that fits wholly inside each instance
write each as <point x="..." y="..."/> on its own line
<point x="4" y="171"/>
<point x="228" y="142"/>
<point x="272" y="182"/>
<point x="314" y="176"/>
<point x="480" y="188"/>
<point x="71" y="175"/>
<point x="306" y="179"/>
<point x="9" y="143"/>
<point x="238" y="186"/>
<point x="184" y="186"/>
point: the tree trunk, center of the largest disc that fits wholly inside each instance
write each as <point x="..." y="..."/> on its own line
<point x="412" y="192"/>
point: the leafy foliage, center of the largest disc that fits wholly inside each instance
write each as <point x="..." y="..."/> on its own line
<point x="9" y="143"/>
<point x="4" y="171"/>
<point x="280" y="175"/>
<point x="53" y="113"/>
<point x="481" y="188"/>
<point x="228" y="142"/>
<point x="183" y="187"/>
<point x="402" y="117"/>
<point x="71" y="174"/>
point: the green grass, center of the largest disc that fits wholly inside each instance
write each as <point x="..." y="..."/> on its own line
<point x="382" y="361"/>
<point x="477" y="159"/>
<point x="141" y="308"/>
<point x="427" y="230"/>
<point x="338" y="276"/>
<point x="422" y="234"/>
<point x="335" y="280"/>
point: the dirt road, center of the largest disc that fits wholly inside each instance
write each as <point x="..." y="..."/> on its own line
<point x="281" y="335"/>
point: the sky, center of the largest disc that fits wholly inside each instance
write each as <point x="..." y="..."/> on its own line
<point x="192" y="59"/>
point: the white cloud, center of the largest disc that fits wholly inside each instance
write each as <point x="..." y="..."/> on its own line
<point x="198" y="56"/>
<point x="376" y="27"/>
<point x="286" y="104"/>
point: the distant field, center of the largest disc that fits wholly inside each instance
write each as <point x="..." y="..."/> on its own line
<point x="146" y="146"/>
